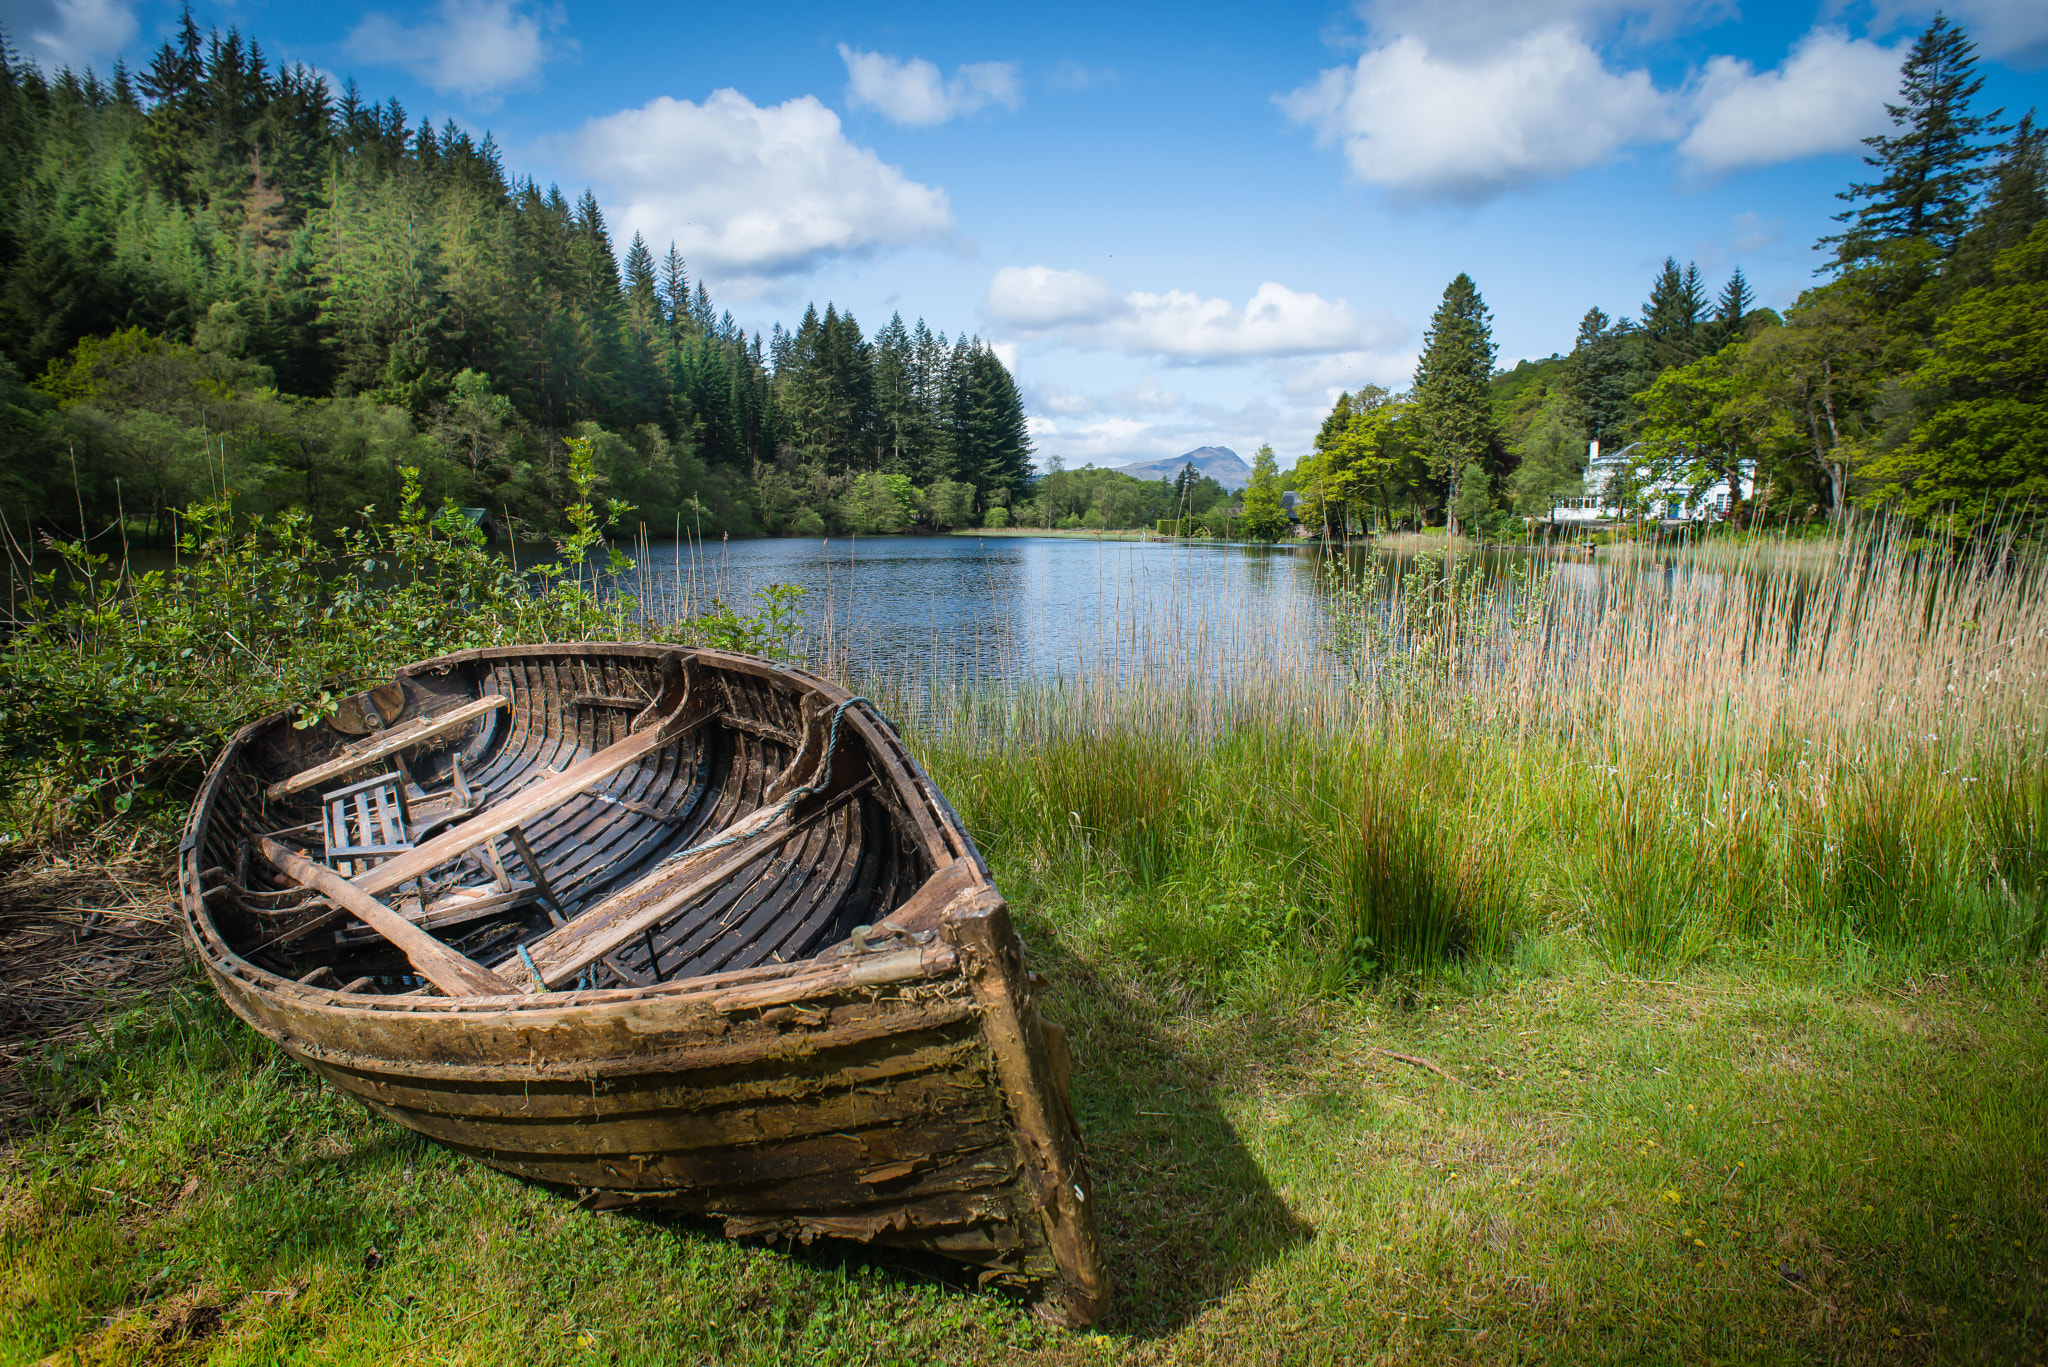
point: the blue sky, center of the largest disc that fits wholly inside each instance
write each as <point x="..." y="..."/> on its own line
<point x="1181" y="225"/>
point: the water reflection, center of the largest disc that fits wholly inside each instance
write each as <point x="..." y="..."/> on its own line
<point x="1015" y="608"/>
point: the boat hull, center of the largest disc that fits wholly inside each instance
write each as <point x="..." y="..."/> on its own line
<point x="903" y="1092"/>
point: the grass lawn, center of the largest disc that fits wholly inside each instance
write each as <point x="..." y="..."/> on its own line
<point x="1749" y="1162"/>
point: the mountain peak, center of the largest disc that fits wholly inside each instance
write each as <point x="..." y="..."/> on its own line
<point x="1219" y="463"/>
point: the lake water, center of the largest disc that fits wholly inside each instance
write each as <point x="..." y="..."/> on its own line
<point x="999" y="607"/>
<point x="1005" y="609"/>
<point x="1010" y="608"/>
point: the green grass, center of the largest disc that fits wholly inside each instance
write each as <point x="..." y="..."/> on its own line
<point x="1681" y="998"/>
<point x="1757" y="1159"/>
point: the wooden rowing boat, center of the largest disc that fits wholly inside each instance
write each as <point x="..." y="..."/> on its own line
<point x="688" y="930"/>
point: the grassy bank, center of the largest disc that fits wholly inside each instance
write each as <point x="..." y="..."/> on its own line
<point x="1649" y="970"/>
<point x="1539" y="1160"/>
<point x="1069" y="534"/>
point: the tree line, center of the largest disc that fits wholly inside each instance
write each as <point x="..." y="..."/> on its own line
<point x="219" y="273"/>
<point x="1912" y="378"/>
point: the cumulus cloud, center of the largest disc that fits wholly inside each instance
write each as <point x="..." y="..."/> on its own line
<point x="914" y="92"/>
<point x="1471" y="27"/>
<point x="74" y="33"/>
<point x="472" y="48"/>
<point x="1429" y="127"/>
<point x="1345" y="371"/>
<point x="2011" y="31"/>
<point x="1827" y="95"/>
<point x="1179" y="324"/>
<point x="1039" y="297"/>
<point x="749" y="193"/>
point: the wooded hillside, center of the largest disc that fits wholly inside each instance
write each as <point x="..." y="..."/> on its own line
<point x="217" y="271"/>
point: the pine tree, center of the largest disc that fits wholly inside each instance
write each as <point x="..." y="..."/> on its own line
<point x="1931" y="167"/>
<point x="992" y="442"/>
<point x="1604" y="371"/>
<point x="2018" y="199"/>
<point x="1737" y="299"/>
<point x="675" y="292"/>
<point x="1451" y="395"/>
<point x="1672" y="317"/>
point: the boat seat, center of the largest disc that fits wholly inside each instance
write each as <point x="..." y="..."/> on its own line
<point x="368" y="822"/>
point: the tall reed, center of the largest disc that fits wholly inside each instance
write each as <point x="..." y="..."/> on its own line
<point x="1811" y="748"/>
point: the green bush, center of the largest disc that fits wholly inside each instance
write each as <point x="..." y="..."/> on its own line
<point x="119" y="688"/>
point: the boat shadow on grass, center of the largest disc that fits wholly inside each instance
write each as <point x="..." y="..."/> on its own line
<point x="1187" y="1216"/>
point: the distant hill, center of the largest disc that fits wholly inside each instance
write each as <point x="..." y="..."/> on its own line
<point x="1219" y="463"/>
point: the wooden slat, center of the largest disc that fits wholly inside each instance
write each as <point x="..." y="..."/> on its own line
<point x="391" y="742"/>
<point x="437" y="963"/>
<point x="565" y="952"/>
<point x="536" y="801"/>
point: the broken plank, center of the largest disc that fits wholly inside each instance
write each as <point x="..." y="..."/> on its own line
<point x="437" y="963"/>
<point x="533" y="802"/>
<point x="565" y="952"/>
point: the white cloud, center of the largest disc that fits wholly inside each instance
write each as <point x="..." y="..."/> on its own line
<point x="1039" y="297"/>
<point x="1343" y="371"/>
<point x="1472" y="27"/>
<point x="913" y="92"/>
<point x="473" y="48"/>
<point x="1179" y="324"/>
<point x="1144" y="396"/>
<point x="73" y="33"/>
<point x="747" y="192"/>
<point x="1826" y="96"/>
<point x="2011" y="31"/>
<point x="1425" y="126"/>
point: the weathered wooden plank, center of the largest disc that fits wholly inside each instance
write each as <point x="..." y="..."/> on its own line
<point x="564" y="952"/>
<point x="993" y="961"/>
<point x="958" y="1059"/>
<point x="390" y="743"/>
<point x="624" y="1127"/>
<point x="436" y="962"/>
<point x="536" y="801"/>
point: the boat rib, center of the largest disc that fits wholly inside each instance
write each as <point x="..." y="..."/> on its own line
<point x="775" y="984"/>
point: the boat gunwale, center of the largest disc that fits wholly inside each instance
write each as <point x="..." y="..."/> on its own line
<point x="226" y="965"/>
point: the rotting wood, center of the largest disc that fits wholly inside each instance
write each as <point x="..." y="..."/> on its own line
<point x="436" y="962"/>
<point x="628" y="914"/>
<point x="904" y="1091"/>
<point x="531" y="803"/>
<point x="414" y="732"/>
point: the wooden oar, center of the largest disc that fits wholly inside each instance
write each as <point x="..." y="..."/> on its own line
<point x="437" y="963"/>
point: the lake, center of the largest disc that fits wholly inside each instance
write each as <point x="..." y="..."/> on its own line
<point x="1004" y="609"/>
<point x="1013" y="608"/>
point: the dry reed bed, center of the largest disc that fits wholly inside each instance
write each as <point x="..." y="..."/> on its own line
<point x="82" y="932"/>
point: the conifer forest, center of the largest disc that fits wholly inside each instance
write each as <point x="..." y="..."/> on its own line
<point x="217" y="273"/>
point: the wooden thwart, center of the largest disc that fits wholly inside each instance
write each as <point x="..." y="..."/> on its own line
<point x="437" y="963"/>
<point x="390" y="743"/>
<point x="632" y="911"/>
<point x="537" y="801"/>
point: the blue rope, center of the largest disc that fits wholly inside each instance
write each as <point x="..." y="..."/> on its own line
<point x="806" y="790"/>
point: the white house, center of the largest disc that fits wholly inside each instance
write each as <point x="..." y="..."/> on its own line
<point x="1668" y="500"/>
